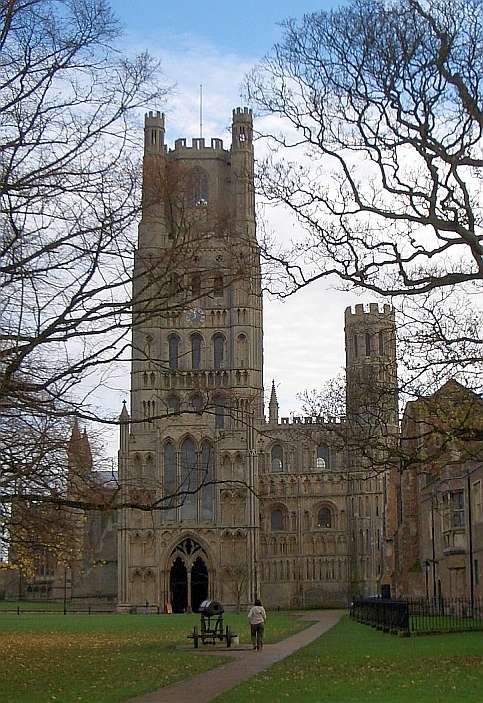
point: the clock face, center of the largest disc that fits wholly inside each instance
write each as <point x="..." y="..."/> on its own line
<point x="195" y="315"/>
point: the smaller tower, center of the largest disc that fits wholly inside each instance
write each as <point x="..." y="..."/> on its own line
<point x="242" y="164"/>
<point x="273" y="406"/>
<point x="371" y="374"/>
<point x="154" y="133"/>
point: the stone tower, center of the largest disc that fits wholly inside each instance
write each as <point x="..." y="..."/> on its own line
<point x="371" y="381"/>
<point x="196" y="381"/>
<point x="372" y="428"/>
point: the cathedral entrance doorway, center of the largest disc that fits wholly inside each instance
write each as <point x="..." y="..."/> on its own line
<point x="178" y="587"/>
<point x="188" y="576"/>
<point x="199" y="584"/>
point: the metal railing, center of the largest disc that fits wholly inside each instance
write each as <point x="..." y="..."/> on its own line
<point x="419" y="616"/>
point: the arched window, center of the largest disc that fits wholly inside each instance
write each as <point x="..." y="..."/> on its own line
<point x="219" y="414"/>
<point x="356" y="350"/>
<point x="189" y="480"/>
<point x="207" y="477"/>
<point x="322" y="457"/>
<point x="277" y="458"/>
<point x="218" y="351"/>
<point x="175" y="285"/>
<point x="173" y="404"/>
<point x="276" y="520"/>
<point x="368" y="344"/>
<point x="381" y="342"/>
<point x="218" y="285"/>
<point x="196" y="284"/>
<point x="242" y="351"/>
<point x="173" y="344"/>
<point x="197" y="402"/>
<point x="324" y="518"/>
<point x="197" y="187"/>
<point x="169" y="478"/>
<point x="196" y="342"/>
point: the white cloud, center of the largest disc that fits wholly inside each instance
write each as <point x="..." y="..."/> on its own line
<point x="304" y="335"/>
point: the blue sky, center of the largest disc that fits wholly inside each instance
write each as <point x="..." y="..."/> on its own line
<point x="247" y="28"/>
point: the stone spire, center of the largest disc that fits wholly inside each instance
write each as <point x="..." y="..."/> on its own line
<point x="86" y="451"/>
<point x="273" y="406"/>
<point x="74" y="446"/>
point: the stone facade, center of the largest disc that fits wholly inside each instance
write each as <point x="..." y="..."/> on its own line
<point x="436" y="498"/>
<point x="83" y="567"/>
<point x="247" y="506"/>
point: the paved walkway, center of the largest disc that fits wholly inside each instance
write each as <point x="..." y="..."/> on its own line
<point x="244" y="664"/>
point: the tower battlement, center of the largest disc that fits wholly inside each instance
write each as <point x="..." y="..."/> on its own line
<point x="198" y="144"/>
<point x="361" y="312"/>
<point x="154" y="119"/>
<point x="242" y="114"/>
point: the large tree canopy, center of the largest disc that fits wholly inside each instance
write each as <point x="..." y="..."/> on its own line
<point x="378" y="153"/>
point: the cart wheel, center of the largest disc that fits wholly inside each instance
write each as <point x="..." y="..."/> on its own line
<point x="196" y="638"/>
<point x="228" y="636"/>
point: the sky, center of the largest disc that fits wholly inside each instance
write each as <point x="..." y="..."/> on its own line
<point x="216" y="44"/>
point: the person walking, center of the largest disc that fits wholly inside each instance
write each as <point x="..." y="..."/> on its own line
<point x="257" y="617"/>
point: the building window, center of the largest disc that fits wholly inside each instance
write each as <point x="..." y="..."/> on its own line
<point x="322" y="457"/>
<point x="173" y="344"/>
<point x="197" y="402"/>
<point x="324" y="518"/>
<point x="368" y="344"/>
<point x="218" y="285"/>
<point x="453" y="510"/>
<point x="189" y="480"/>
<point x="356" y="350"/>
<point x="196" y="341"/>
<point x="169" y="476"/>
<point x="207" y="478"/>
<point x="476" y="496"/>
<point x="381" y="342"/>
<point x="276" y="520"/>
<point x="219" y="415"/>
<point x="173" y="404"/>
<point x="197" y="187"/>
<point x="196" y="285"/>
<point x="218" y="351"/>
<point x="174" y="283"/>
<point x="277" y="458"/>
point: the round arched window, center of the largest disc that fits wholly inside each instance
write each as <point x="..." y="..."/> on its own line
<point x="325" y="518"/>
<point x="276" y="520"/>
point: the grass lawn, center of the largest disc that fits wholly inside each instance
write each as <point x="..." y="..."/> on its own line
<point x="353" y="663"/>
<point x="104" y="658"/>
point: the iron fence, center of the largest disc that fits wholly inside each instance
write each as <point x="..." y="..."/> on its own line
<point x="419" y="616"/>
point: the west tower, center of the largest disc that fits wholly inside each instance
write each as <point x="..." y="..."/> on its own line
<point x="196" y="379"/>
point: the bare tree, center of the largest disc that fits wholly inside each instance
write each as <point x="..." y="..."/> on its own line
<point x="382" y="112"/>
<point x="237" y="576"/>
<point x="69" y="196"/>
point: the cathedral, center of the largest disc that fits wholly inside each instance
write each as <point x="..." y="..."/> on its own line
<point x="246" y="503"/>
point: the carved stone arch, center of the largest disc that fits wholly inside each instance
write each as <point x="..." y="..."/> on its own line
<point x="197" y="540"/>
<point x="278" y="516"/>
<point x="184" y="437"/>
<point x="331" y="507"/>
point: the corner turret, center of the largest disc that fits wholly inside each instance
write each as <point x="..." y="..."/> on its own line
<point x="154" y="129"/>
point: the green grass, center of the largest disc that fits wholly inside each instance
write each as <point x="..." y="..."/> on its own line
<point x="105" y="658"/>
<point x="353" y="663"/>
